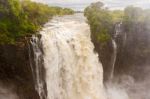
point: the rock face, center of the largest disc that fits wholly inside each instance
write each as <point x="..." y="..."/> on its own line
<point x="15" y="70"/>
<point x="105" y="52"/>
<point x="133" y="53"/>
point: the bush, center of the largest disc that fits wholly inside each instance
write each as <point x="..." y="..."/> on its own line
<point x="100" y="21"/>
<point x="22" y="17"/>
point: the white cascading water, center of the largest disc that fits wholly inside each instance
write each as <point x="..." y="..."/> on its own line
<point x="114" y="44"/>
<point x="113" y="89"/>
<point x="73" y="70"/>
<point x="37" y="66"/>
<point x="114" y="56"/>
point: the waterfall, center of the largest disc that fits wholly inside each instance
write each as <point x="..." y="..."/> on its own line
<point x="114" y="56"/>
<point x="114" y="44"/>
<point x="114" y="88"/>
<point x="36" y="65"/>
<point x="73" y="70"/>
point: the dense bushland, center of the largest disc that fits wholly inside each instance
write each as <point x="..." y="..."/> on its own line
<point x="133" y="48"/>
<point x="23" y="17"/>
<point x="102" y="20"/>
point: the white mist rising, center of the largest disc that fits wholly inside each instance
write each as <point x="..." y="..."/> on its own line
<point x="7" y="92"/>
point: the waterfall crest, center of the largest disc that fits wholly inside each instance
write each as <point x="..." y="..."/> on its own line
<point x="73" y="70"/>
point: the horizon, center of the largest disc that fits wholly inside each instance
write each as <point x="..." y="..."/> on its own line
<point x="79" y="5"/>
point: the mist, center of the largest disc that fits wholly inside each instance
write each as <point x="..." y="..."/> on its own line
<point x="8" y="92"/>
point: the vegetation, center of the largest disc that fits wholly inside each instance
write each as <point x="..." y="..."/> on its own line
<point x="117" y="15"/>
<point x="135" y="16"/>
<point x="132" y="41"/>
<point x="23" y="17"/>
<point x="102" y="20"/>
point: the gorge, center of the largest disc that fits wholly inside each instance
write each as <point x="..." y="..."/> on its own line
<point x="61" y="62"/>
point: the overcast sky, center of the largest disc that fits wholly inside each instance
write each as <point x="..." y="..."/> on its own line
<point x="112" y="4"/>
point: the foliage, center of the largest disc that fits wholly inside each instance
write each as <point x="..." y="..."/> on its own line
<point x="132" y="38"/>
<point x="100" y="21"/>
<point x="117" y="15"/>
<point x="134" y="16"/>
<point x="20" y="18"/>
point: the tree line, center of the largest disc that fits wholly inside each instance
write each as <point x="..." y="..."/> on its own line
<point x="133" y="41"/>
<point x="23" y="17"/>
<point x="102" y="20"/>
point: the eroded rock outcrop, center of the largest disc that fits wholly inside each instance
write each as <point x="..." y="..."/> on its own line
<point x="15" y="70"/>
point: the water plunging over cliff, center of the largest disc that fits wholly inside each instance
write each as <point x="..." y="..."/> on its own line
<point x="36" y="65"/>
<point x="114" y="56"/>
<point x="73" y="70"/>
<point x="114" y="44"/>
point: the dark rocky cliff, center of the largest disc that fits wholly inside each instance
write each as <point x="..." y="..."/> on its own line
<point x="133" y="53"/>
<point x="105" y="52"/>
<point x="133" y="56"/>
<point x="15" y="69"/>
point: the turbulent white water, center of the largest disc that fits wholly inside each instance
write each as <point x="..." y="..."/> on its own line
<point x="73" y="70"/>
<point x="114" y="56"/>
<point x="37" y="67"/>
<point x="117" y="32"/>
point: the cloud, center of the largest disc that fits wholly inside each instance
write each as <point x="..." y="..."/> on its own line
<point x="122" y="3"/>
<point x="112" y="4"/>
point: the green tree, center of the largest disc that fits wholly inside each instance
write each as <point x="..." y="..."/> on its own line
<point x="117" y="15"/>
<point x="100" y="21"/>
<point x="132" y="16"/>
<point x="22" y="17"/>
